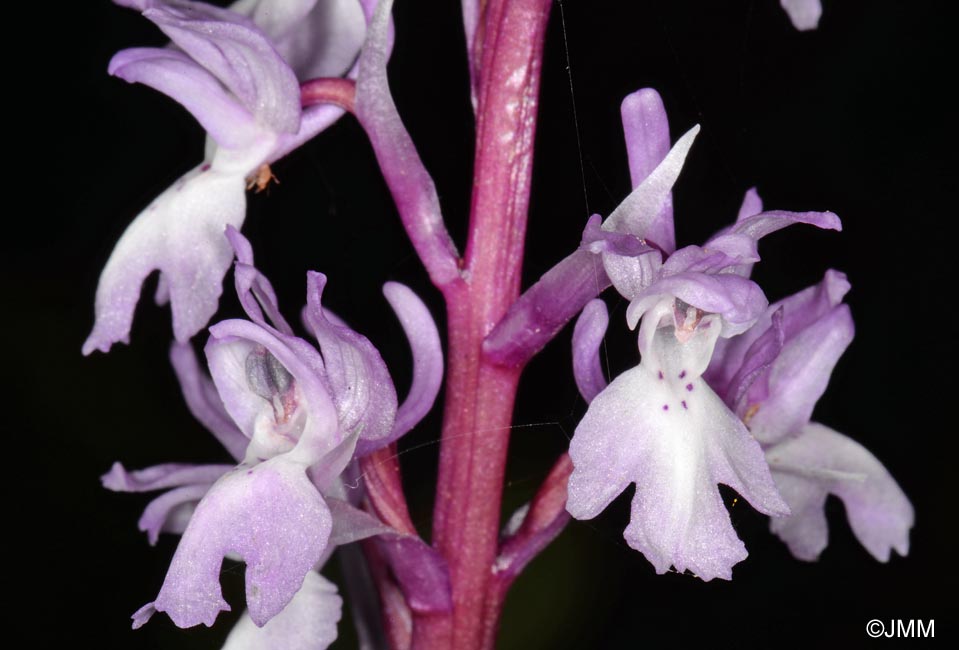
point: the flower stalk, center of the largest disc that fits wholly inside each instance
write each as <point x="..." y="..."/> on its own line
<point x="480" y="393"/>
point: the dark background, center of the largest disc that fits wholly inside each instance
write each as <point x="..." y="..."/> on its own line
<point x="853" y="118"/>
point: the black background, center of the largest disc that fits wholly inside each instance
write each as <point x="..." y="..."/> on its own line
<point x="853" y="118"/>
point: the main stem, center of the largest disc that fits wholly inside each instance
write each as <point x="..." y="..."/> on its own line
<point x="480" y="393"/>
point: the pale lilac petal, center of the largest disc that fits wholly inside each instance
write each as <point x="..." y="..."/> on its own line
<point x="358" y="378"/>
<point x="427" y="352"/>
<point x="765" y="223"/>
<point x="308" y="622"/>
<point x="204" y="402"/>
<point x="324" y="42"/>
<point x="799" y="311"/>
<point x="821" y="461"/>
<point x="739" y="301"/>
<point x="646" y="128"/>
<point x="410" y="184"/>
<point x="798" y="377"/>
<point x="178" y="76"/>
<point x="543" y="309"/>
<point x="587" y="338"/>
<point x="752" y="204"/>
<point x="316" y="119"/>
<point x="254" y="290"/>
<point x="269" y="514"/>
<point x="241" y="57"/>
<point x="272" y="386"/>
<point x="139" y="5"/>
<point x="158" y="477"/>
<point x="804" y="14"/>
<point x="639" y="211"/>
<point x="760" y="355"/>
<point x="172" y="511"/>
<point x="672" y="436"/>
<point x="181" y="234"/>
<point x="719" y="254"/>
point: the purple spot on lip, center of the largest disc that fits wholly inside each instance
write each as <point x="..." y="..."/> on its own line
<point x="660" y="374"/>
<point x="684" y="405"/>
<point x="682" y="374"/>
<point x="689" y="386"/>
<point x="665" y="407"/>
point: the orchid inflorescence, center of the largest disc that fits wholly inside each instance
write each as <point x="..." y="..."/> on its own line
<point x="724" y="392"/>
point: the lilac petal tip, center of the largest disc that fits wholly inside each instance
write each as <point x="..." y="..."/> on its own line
<point x="646" y="128"/>
<point x="427" y="352"/>
<point x="587" y="339"/>
<point x="804" y="14"/>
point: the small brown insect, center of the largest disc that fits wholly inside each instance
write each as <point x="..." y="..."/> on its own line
<point x="260" y="179"/>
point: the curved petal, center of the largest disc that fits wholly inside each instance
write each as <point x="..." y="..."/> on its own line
<point x="252" y="287"/>
<point x="273" y="388"/>
<point x="181" y="234"/>
<point x="646" y="128"/>
<point x="639" y="211"/>
<point x="752" y="204"/>
<point x="798" y="312"/>
<point x="272" y="516"/>
<point x="171" y="511"/>
<point x="427" y="351"/>
<point x="308" y="622"/>
<point x="737" y="300"/>
<point x="203" y="400"/>
<point x="804" y="14"/>
<point x="175" y="74"/>
<point x="159" y="477"/>
<point x="765" y="223"/>
<point x="761" y="354"/>
<point x="360" y="383"/>
<point x="598" y="241"/>
<point x="315" y="119"/>
<point x="821" y="461"/>
<point x="719" y="254"/>
<point x="587" y="338"/>
<point x="240" y="56"/>
<point x="786" y="395"/>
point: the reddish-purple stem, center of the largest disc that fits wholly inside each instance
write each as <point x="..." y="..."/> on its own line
<point x="480" y="393"/>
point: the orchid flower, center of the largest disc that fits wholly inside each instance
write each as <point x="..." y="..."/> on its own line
<point x="238" y="76"/>
<point x="635" y="245"/>
<point x="303" y="414"/>
<point x="773" y="375"/>
<point x="660" y="425"/>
